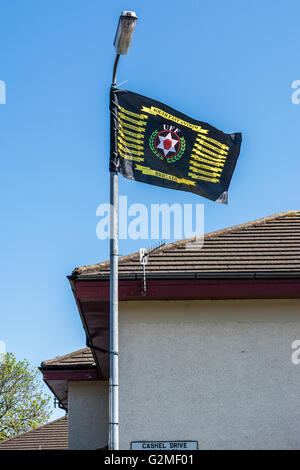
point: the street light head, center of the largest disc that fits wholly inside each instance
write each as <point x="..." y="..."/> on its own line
<point x="125" y="31"/>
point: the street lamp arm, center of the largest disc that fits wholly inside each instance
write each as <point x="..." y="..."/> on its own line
<point x="114" y="84"/>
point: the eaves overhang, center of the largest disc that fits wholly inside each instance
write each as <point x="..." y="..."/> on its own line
<point x="57" y="378"/>
<point x="91" y="292"/>
<point x="191" y="275"/>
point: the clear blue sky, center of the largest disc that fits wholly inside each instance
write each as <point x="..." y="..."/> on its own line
<point x="227" y="63"/>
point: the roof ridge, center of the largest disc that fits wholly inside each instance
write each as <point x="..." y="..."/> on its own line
<point x="252" y="223"/>
<point x="65" y="356"/>
<point x="35" y="429"/>
<point x="175" y="244"/>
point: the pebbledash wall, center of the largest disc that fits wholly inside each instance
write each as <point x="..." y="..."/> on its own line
<point x="218" y="372"/>
<point x="88" y="415"/>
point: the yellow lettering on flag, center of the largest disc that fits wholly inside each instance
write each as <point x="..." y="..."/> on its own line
<point x="170" y="117"/>
<point x="135" y="128"/>
<point x="130" y="113"/>
<point x="197" y="170"/>
<point x="206" y="167"/>
<point x="204" y="178"/>
<point x="135" y="152"/>
<point x="126" y="132"/>
<point x="212" y="147"/>
<point x="148" y="171"/>
<point x="126" y="137"/>
<point x="134" y="121"/>
<point x="131" y="157"/>
<point x="218" y="159"/>
<point x="214" y="154"/>
<point x="222" y="146"/>
<point x="208" y="161"/>
<point x="129" y="144"/>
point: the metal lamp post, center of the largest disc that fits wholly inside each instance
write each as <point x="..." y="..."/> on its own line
<point x="126" y="26"/>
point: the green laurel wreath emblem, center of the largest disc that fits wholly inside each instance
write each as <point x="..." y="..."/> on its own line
<point x="169" y="160"/>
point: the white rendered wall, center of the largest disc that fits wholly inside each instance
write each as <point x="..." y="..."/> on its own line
<point x="88" y="414"/>
<point x="218" y="372"/>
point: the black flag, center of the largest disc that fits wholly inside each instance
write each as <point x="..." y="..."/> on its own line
<point x="154" y="144"/>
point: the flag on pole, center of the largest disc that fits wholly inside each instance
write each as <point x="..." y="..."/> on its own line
<point x="154" y="144"/>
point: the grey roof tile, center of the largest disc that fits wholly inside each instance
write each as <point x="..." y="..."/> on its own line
<point x="271" y="244"/>
<point x="50" y="436"/>
<point x="82" y="357"/>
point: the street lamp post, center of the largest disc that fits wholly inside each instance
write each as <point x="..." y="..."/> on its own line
<point x="122" y="43"/>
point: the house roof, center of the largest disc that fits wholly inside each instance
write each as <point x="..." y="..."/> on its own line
<point x="53" y="435"/>
<point x="81" y="358"/>
<point x="270" y="245"/>
<point x="57" y="372"/>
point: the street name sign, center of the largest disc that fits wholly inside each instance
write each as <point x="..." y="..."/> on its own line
<point x="164" y="445"/>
